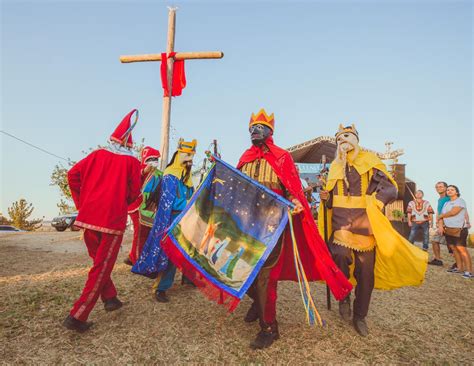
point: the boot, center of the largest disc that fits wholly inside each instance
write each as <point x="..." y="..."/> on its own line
<point x="252" y="314"/>
<point x="72" y="323"/>
<point x="112" y="304"/>
<point x="127" y="261"/>
<point x="345" y="309"/>
<point x="361" y="327"/>
<point x="266" y="336"/>
<point x="161" y="296"/>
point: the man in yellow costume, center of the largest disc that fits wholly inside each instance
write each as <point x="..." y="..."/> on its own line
<point x="362" y="241"/>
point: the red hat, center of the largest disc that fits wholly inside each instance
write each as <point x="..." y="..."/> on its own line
<point x="123" y="132"/>
<point x="149" y="153"/>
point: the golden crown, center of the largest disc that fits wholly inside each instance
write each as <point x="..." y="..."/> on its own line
<point x="262" y="118"/>
<point x="186" y="146"/>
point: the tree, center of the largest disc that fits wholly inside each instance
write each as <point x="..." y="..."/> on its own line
<point x="19" y="213"/>
<point x="4" y="220"/>
<point x="59" y="179"/>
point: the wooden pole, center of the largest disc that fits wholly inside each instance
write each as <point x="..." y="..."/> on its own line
<point x="165" y="118"/>
<point x="179" y="56"/>
<point x="326" y="236"/>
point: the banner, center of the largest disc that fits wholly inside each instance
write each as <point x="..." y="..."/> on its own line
<point x="225" y="234"/>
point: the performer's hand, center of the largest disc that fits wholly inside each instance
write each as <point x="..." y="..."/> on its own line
<point x="324" y="195"/>
<point x="410" y="224"/>
<point x="440" y="230"/>
<point x="298" y="206"/>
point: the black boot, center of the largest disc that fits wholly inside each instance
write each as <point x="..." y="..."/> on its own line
<point x="72" y="323"/>
<point x="266" y="336"/>
<point x="252" y="314"/>
<point x="361" y="327"/>
<point x="112" y="304"/>
<point x="161" y="296"/>
<point x="345" y="309"/>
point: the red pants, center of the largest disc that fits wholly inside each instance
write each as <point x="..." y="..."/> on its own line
<point x="103" y="249"/>
<point x="138" y="242"/>
<point x="135" y="217"/>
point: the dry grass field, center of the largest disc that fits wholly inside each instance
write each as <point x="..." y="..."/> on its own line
<point x="41" y="274"/>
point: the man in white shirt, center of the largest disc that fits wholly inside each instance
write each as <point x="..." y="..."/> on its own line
<point x="420" y="217"/>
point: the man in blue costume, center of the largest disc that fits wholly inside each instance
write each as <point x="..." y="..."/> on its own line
<point x="176" y="190"/>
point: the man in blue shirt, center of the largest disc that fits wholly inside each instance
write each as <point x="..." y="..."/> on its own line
<point x="439" y="239"/>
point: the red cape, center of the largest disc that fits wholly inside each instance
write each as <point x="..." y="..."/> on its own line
<point x="315" y="256"/>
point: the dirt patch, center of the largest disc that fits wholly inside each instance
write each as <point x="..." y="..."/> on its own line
<point x="42" y="274"/>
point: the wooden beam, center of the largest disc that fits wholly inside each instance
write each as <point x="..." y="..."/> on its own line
<point x="179" y="56"/>
<point x="166" y="113"/>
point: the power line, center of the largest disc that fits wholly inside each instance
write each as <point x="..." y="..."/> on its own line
<point x="34" y="146"/>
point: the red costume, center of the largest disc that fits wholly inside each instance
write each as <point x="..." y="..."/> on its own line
<point x="274" y="168"/>
<point x="140" y="232"/>
<point x="317" y="261"/>
<point x="103" y="184"/>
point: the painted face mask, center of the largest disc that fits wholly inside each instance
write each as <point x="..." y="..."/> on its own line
<point x="152" y="162"/>
<point x="347" y="142"/>
<point x="259" y="133"/>
<point x="186" y="160"/>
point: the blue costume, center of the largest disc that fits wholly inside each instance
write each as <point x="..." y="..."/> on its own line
<point x="176" y="190"/>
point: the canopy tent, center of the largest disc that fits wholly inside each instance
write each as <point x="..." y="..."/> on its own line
<point x="313" y="150"/>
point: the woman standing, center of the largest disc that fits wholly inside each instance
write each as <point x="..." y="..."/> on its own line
<point x="452" y="222"/>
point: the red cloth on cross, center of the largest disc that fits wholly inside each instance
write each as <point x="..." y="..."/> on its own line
<point x="179" y="76"/>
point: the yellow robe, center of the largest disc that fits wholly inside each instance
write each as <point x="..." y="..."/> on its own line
<point x="398" y="263"/>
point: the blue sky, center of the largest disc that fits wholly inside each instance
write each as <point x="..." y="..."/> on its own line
<point x="401" y="71"/>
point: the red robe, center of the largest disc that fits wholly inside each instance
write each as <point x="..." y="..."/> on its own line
<point x="103" y="184"/>
<point x="315" y="256"/>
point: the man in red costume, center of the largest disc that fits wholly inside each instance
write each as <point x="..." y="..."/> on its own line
<point x="103" y="184"/>
<point x="149" y="164"/>
<point x="273" y="167"/>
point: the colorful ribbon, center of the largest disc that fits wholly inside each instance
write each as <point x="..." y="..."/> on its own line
<point x="305" y="290"/>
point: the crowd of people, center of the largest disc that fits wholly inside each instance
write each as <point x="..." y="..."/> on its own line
<point x="451" y="225"/>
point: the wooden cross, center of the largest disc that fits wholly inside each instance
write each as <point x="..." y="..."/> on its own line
<point x="165" y="124"/>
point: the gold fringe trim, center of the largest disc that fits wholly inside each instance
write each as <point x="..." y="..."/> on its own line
<point x="351" y="247"/>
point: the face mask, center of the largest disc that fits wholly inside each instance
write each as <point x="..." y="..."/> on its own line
<point x="347" y="142"/>
<point x="186" y="160"/>
<point x="152" y="162"/>
<point x="259" y="133"/>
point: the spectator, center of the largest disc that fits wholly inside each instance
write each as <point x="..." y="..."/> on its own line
<point x="319" y="182"/>
<point x="307" y="189"/>
<point x="420" y="217"/>
<point x="452" y="222"/>
<point x="439" y="238"/>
